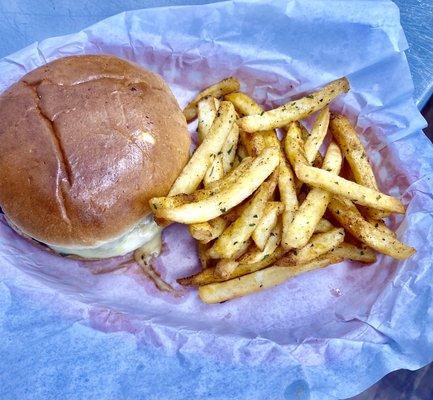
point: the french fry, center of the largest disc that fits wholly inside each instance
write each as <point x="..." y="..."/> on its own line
<point x="323" y="226"/>
<point x="241" y="230"/>
<point x="287" y="189"/>
<point x="209" y="230"/>
<point x="286" y="179"/>
<point x="294" y="110"/>
<point x="354" y="152"/>
<point x="267" y="223"/>
<point x="229" y="149"/>
<point x="309" y="213"/>
<point x="256" y="142"/>
<point x="319" y="244"/>
<point x="260" y="280"/>
<point x="231" y="177"/>
<point x="252" y="260"/>
<point x="217" y="90"/>
<point x="194" y="171"/>
<point x="203" y="277"/>
<point x="244" y="104"/>
<point x="215" y="172"/>
<point x="294" y="146"/>
<point x="207" y="109"/>
<point x="265" y="261"/>
<point x="225" y="267"/>
<point x="298" y="146"/>
<point x="381" y="226"/>
<point x="243" y="249"/>
<point x="344" y="251"/>
<point x="157" y="203"/>
<point x="273" y="181"/>
<point x="351" y="252"/>
<point x="326" y="180"/>
<point x="254" y="255"/>
<point x="207" y="275"/>
<point x="247" y="106"/>
<point x="330" y="182"/>
<point x="253" y="143"/>
<point x="219" y="203"/>
<point x="318" y="133"/>
<point x="345" y="212"/>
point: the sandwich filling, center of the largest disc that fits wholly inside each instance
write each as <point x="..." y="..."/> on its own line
<point x="146" y="231"/>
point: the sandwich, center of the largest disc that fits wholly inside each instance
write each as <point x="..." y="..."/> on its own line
<point x="86" y="141"/>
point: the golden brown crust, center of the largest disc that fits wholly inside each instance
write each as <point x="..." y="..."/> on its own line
<point x="77" y="162"/>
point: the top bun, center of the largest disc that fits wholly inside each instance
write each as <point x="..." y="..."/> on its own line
<point x="86" y="141"/>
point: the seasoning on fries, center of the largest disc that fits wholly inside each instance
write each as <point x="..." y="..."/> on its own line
<point x="251" y="236"/>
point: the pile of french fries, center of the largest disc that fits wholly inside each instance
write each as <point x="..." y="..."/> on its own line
<point x="263" y="209"/>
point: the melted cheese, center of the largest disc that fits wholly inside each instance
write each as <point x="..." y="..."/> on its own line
<point x="146" y="233"/>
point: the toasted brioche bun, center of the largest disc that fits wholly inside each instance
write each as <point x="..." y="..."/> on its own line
<point x="86" y="141"/>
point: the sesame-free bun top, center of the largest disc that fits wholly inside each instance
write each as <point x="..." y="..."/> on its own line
<point x="85" y="142"/>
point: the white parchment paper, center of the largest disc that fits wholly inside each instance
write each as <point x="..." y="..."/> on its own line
<point x="323" y="319"/>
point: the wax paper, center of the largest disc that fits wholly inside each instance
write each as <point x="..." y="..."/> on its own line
<point x="330" y="333"/>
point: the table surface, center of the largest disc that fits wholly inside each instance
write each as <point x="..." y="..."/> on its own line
<point x="26" y="21"/>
